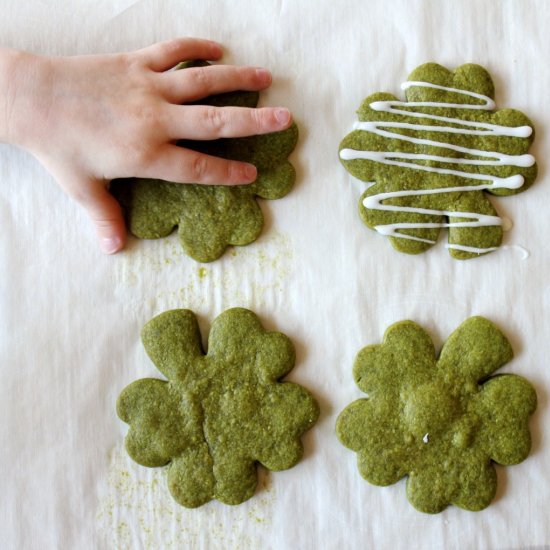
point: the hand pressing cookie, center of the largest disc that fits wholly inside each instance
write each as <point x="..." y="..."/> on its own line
<point x="440" y="421"/>
<point x="430" y="160"/>
<point x="210" y="218"/>
<point x="220" y="413"/>
<point x="90" y="119"/>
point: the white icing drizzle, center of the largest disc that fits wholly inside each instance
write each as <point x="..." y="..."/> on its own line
<point x="426" y="438"/>
<point x="409" y="160"/>
<point x="472" y="249"/>
<point x="524" y="252"/>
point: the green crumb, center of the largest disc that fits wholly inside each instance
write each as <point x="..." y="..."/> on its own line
<point x="220" y="413"/>
<point x="202" y="272"/>
<point x="440" y="421"/>
<point x="210" y="218"/>
<point x="431" y="159"/>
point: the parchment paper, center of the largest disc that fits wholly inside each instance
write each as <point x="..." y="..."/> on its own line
<point x="70" y="318"/>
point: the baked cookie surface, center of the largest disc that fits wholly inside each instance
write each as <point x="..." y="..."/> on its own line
<point x="440" y="421"/>
<point x="210" y="218"/>
<point x="431" y="159"/>
<point x="218" y="414"/>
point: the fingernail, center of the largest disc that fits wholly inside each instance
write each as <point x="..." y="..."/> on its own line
<point x="110" y="245"/>
<point x="216" y="47"/>
<point x="250" y="172"/>
<point x="282" y="116"/>
<point x="263" y="74"/>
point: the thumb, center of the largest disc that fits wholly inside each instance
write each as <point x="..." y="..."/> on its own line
<point x="106" y="215"/>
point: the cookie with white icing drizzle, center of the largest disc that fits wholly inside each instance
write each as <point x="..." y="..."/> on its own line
<point x="430" y="158"/>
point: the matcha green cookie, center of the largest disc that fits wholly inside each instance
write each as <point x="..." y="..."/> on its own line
<point x="219" y="413"/>
<point x="431" y="158"/>
<point x="210" y="218"/>
<point x="439" y="421"/>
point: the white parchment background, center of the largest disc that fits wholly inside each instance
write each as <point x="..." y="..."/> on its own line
<point x="70" y="318"/>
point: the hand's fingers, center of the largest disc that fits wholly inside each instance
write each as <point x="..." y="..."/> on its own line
<point x="165" y="55"/>
<point x="182" y="165"/>
<point x="198" y="82"/>
<point x="106" y="215"/>
<point x="205" y="122"/>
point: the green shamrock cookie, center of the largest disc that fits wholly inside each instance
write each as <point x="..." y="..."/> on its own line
<point x="219" y="413"/>
<point x="431" y="158"/>
<point x="210" y="218"/>
<point x="440" y="421"/>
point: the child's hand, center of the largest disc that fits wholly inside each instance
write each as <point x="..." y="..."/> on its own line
<point x="90" y="119"/>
